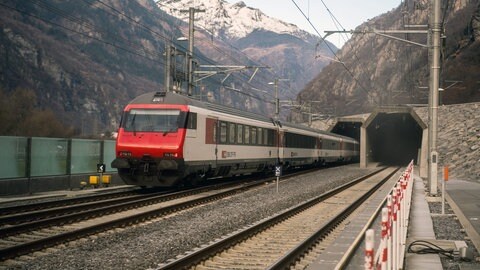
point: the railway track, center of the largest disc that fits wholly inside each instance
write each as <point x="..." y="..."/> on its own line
<point x="27" y="232"/>
<point x="43" y="205"/>
<point x="284" y="241"/>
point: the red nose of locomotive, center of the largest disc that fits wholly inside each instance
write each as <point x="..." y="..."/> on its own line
<point x="149" y="146"/>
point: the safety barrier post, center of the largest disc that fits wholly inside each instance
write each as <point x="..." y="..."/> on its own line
<point x="389" y="232"/>
<point x="394" y="229"/>
<point x="384" y="261"/>
<point x="369" y="252"/>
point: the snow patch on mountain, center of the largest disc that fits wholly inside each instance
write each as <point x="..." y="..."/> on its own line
<point x="233" y="21"/>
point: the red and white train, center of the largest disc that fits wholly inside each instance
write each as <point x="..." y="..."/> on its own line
<point x="167" y="139"/>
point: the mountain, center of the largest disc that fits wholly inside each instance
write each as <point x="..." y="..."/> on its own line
<point x="286" y="48"/>
<point x="382" y="71"/>
<point x="231" y="20"/>
<point x="83" y="61"/>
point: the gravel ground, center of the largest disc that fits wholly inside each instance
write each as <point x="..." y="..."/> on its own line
<point x="449" y="228"/>
<point x="147" y="246"/>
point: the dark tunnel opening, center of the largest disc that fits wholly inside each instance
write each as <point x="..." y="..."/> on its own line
<point x="349" y="129"/>
<point x="393" y="139"/>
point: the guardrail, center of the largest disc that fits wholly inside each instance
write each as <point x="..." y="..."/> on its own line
<point x="391" y="251"/>
<point x="34" y="164"/>
<point x="27" y="157"/>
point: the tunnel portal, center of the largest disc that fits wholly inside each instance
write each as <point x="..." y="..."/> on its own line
<point x="393" y="139"/>
<point x="388" y="136"/>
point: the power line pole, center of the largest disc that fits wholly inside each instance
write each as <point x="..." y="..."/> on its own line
<point x="433" y="101"/>
<point x="434" y="45"/>
<point x="191" y="36"/>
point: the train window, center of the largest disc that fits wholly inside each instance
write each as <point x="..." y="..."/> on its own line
<point x="271" y="135"/>
<point x="214" y="133"/>
<point x="231" y="133"/>
<point x="247" y="135"/>
<point x="223" y="132"/>
<point x="192" y="120"/>
<point x="300" y="141"/>
<point x="260" y="136"/>
<point x="239" y="134"/>
<point x="253" y="135"/>
<point x="265" y="137"/>
<point x="151" y="120"/>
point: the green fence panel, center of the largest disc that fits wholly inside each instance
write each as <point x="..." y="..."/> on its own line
<point x="109" y="154"/>
<point x="49" y="156"/>
<point x="85" y="156"/>
<point x="13" y="157"/>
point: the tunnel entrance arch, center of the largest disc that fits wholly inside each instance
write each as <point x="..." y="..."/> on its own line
<point x="389" y="136"/>
<point x="393" y="136"/>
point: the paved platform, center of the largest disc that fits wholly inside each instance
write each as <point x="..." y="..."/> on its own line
<point x="464" y="198"/>
<point x="420" y="227"/>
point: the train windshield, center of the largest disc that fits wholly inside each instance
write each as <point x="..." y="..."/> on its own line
<point x="153" y="120"/>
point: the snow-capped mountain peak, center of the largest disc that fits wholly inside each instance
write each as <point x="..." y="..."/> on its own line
<point x="233" y="21"/>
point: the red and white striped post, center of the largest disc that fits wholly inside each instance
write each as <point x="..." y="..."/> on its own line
<point x="369" y="252"/>
<point x="394" y="229"/>
<point x="399" y="217"/>
<point x="389" y="230"/>
<point x="384" y="259"/>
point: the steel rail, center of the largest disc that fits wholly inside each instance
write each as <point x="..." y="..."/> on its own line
<point x="295" y="254"/>
<point x="62" y="202"/>
<point x="204" y="253"/>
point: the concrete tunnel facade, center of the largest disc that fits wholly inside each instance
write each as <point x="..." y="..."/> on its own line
<point x="388" y="136"/>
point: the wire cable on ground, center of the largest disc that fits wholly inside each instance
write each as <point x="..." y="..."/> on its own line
<point x="425" y="247"/>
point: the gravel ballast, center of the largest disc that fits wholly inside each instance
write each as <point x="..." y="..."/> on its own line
<point x="147" y="246"/>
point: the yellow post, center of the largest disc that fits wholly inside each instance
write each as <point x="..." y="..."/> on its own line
<point x="93" y="180"/>
<point x="106" y="179"/>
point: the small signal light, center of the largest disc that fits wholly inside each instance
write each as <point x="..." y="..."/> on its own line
<point x="170" y="155"/>
<point x="125" y="154"/>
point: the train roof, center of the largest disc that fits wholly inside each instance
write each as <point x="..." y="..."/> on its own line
<point x="175" y="98"/>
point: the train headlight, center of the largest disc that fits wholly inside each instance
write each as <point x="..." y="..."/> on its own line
<point x="170" y="155"/>
<point x="125" y="154"/>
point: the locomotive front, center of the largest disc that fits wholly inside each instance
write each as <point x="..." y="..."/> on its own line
<point x="149" y="147"/>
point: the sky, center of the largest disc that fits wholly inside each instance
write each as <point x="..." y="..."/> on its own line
<point x="350" y="13"/>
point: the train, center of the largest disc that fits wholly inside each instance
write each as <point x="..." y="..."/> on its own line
<point x="168" y="139"/>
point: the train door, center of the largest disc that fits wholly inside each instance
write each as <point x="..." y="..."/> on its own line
<point x="212" y="138"/>
<point x="280" y="146"/>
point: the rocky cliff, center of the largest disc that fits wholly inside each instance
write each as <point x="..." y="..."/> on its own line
<point x="84" y="59"/>
<point x="458" y="139"/>
<point x="376" y="70"/>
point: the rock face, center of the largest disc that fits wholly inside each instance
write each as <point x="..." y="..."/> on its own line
<point x="458" y="139"/>
<point x="82" y="60"/>
<point x="382" y="71"/>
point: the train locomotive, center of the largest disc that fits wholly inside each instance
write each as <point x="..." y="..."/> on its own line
<point x="168" y="139"/>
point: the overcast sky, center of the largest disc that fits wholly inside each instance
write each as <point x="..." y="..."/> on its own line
<point x="350" y="13"/>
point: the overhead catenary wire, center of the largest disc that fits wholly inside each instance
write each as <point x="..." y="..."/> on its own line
<point x="94" y="32"/>
<point x="200" y="57"/>
<point x="333" y="52"/>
